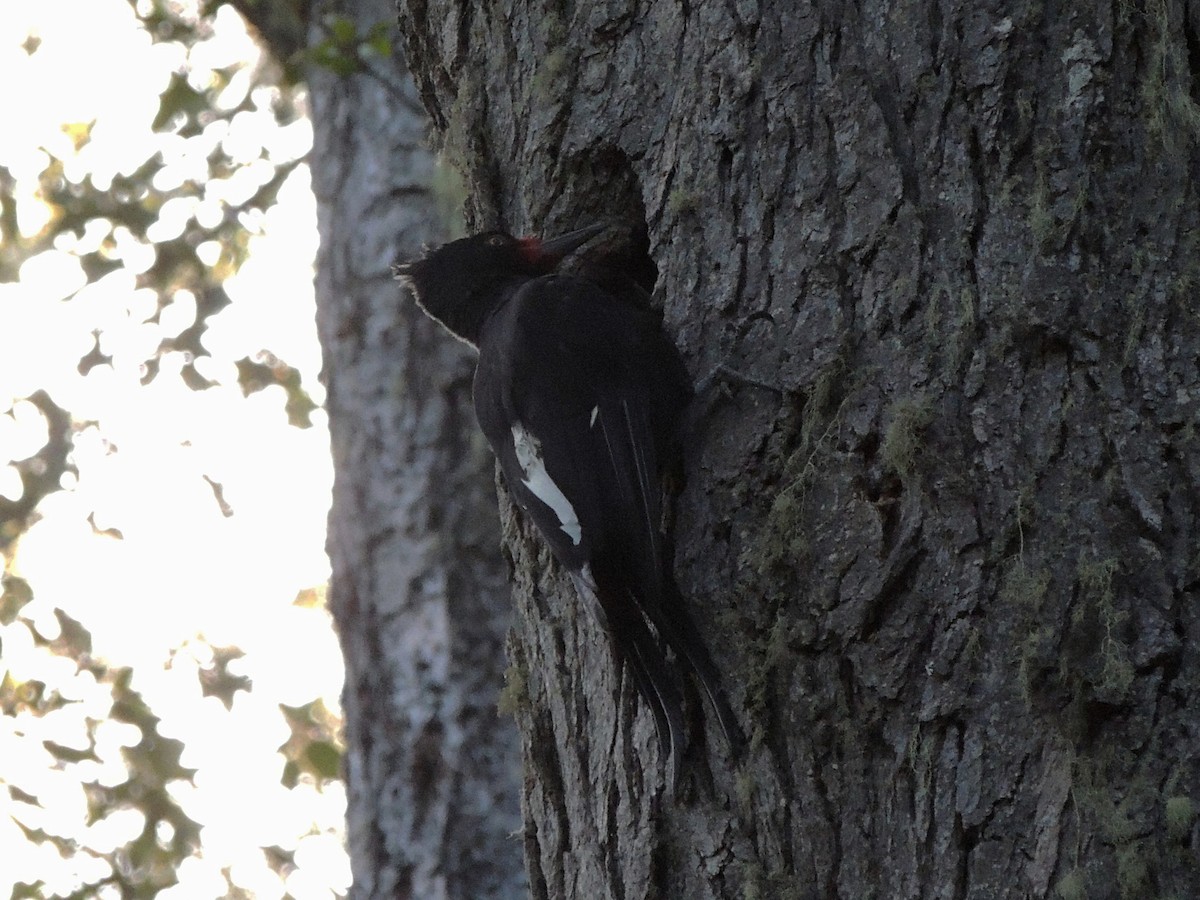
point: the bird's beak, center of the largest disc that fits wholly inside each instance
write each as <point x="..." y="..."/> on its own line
<point x="558" y="247"/>
<point x="401" y="270"/>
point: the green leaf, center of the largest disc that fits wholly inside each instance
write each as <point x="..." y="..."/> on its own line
<point x="17" y="594"/>
<point x="70" y="754"/>
<point x="344" y="30"/>
<point x="27" y="695"/>
<point x="21" y="797"/>
<point x="74" y="641"/>
<point x="180" y="101"/>
<point x="379" y="39"/>
<point x="324" y="759"/>
<point x="254" y="376"/>
<point x="313" y="747"/>
<point x="332" y="56"/>
<point x="216" y="680"/>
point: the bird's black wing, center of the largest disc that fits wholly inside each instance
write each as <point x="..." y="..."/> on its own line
<point x="580" y="396"/>
<point x="587" y="381"/>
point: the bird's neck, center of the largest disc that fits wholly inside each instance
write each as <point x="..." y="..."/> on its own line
<point x="468" y="319"/>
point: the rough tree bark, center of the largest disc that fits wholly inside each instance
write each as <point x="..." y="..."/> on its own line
<point x="950" y="570"/>
<point x="418" y="590"/>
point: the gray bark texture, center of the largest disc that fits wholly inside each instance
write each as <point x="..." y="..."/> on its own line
<point x="949" y="570"/>
<point x="419" y="591"/>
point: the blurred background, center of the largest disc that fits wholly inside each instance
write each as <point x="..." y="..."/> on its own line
<point x="169" y="678"/>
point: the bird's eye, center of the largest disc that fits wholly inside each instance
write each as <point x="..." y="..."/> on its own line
<point x="497" y="240"/>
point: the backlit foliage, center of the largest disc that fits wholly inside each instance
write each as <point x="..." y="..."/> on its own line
<point x="136" y="203"/>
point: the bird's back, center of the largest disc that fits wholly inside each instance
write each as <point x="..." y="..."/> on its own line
<point x="588" y="378"/>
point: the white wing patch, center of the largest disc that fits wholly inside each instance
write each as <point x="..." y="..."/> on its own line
<point x="595" y="412"/>
<point x="538" y="480"/>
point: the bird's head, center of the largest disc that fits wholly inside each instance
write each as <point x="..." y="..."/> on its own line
<point x="459" y="283"/>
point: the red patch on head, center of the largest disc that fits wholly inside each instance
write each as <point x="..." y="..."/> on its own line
<point x="530" y="249"/>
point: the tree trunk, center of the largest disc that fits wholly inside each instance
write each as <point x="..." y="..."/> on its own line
<point x="949" y="569"/>
<point x="419" y="591"/>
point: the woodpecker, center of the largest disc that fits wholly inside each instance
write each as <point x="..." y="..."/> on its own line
<point x="581" y="397"/>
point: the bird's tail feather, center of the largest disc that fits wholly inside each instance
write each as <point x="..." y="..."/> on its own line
<point x="632" y="642"/>
<point x="681" y="634"/>
<point x="653" y="678"/>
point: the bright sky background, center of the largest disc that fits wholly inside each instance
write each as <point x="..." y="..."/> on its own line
<point x="185" y="576"/>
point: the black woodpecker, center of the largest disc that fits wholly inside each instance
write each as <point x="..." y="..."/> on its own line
<point x="581" y="398"/>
